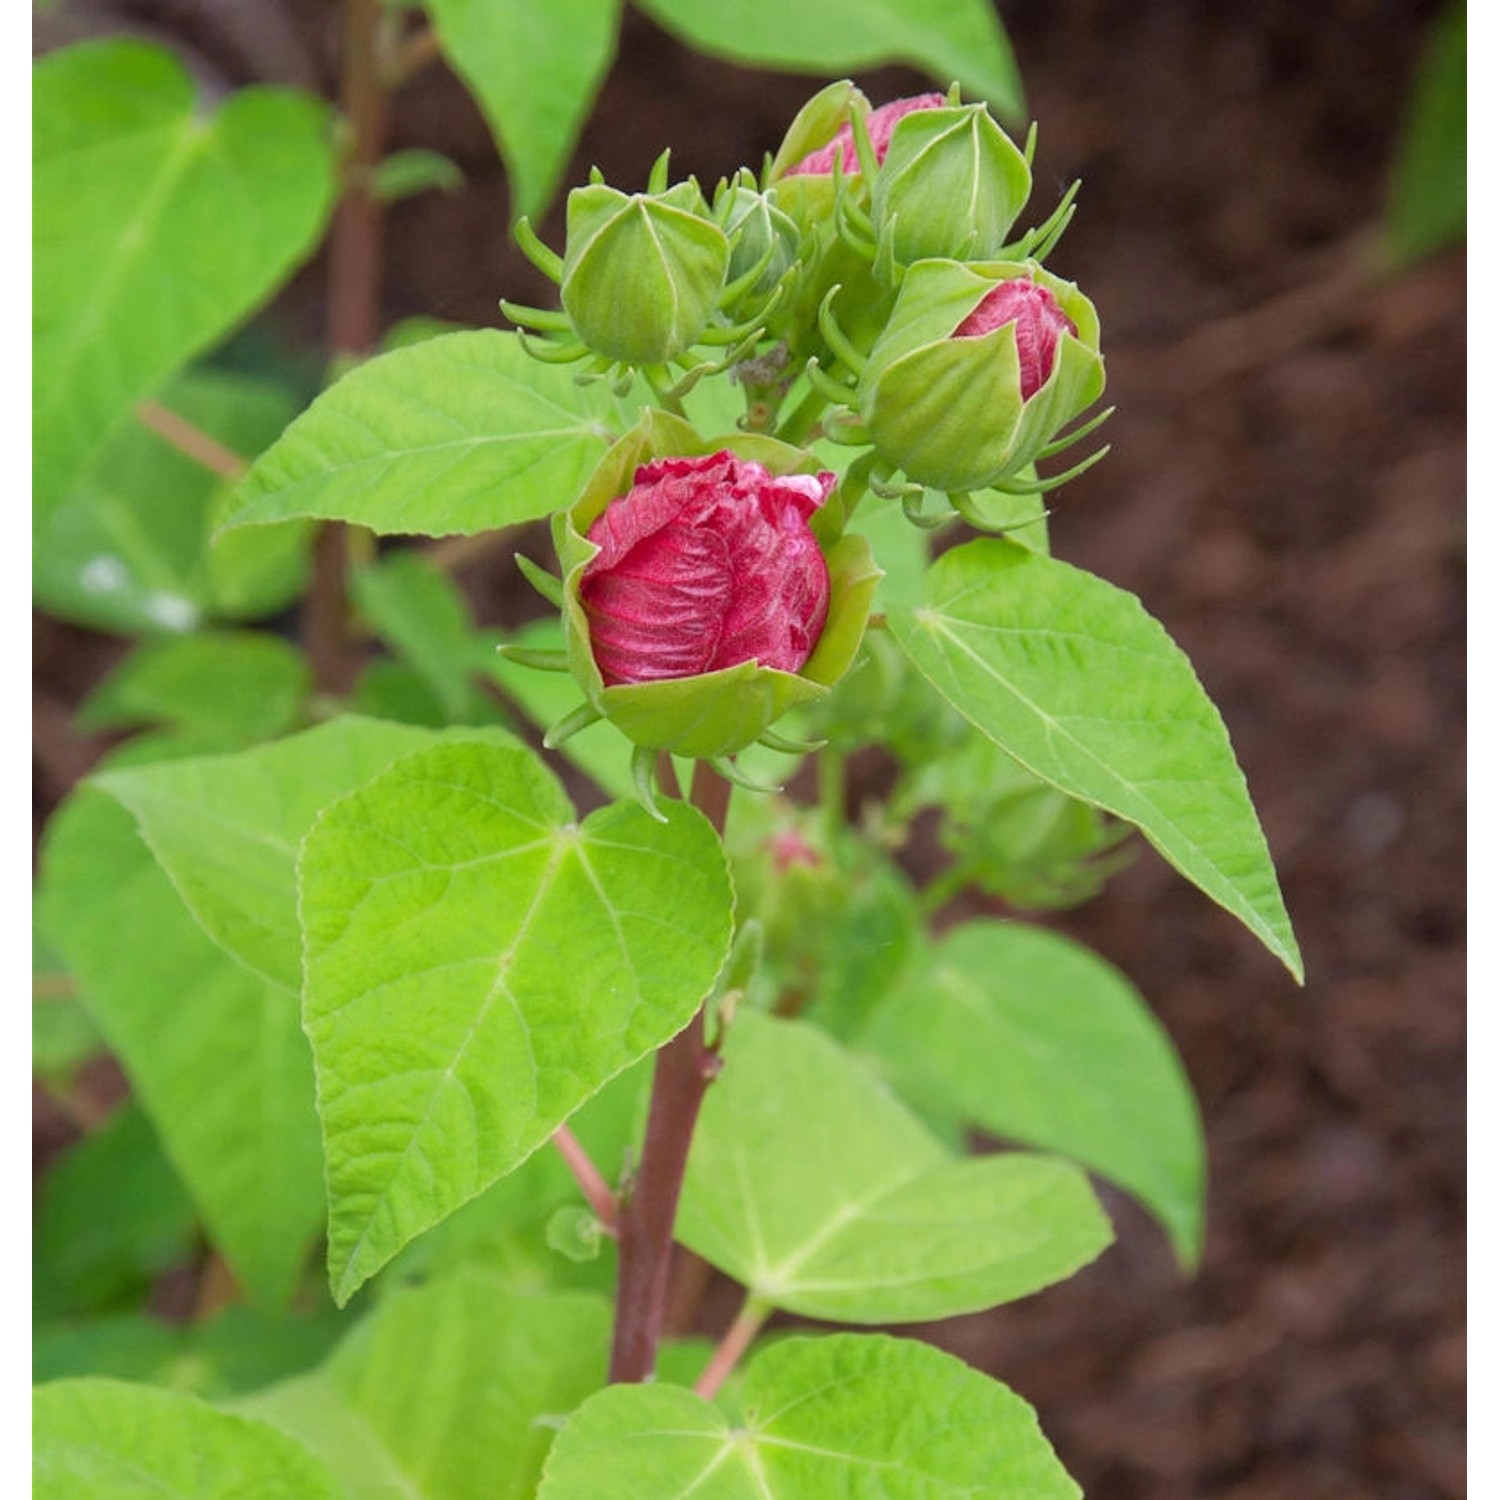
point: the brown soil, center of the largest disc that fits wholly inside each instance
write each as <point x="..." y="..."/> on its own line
<point x="1285" y="493"/>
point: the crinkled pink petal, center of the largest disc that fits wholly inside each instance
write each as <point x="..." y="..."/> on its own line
<point x="706" y="563"/>
<point x="659" y="611"/>
<point x="1039" y="323"/>
<point x="879" y="124"/>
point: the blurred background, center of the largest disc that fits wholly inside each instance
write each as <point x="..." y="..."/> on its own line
<point x="1285" y="492"/>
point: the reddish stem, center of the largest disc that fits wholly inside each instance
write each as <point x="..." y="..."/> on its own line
<point x="589" y="1178"/>
<point x="354" y="260"/>
<point x="684" y="1069"/>
<point x="192" y="442"/>
<point x="738" y="1338"/>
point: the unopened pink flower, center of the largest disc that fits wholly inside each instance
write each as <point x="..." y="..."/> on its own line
<point x="879" y="124"/>
<point x="706" y="563"/>
<point x="1039" y="321"/>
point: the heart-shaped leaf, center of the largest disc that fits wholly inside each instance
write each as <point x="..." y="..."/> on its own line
<point x="158" y="228"/>
<point x="478" y="964"/>
<point x="847" y="1414"/>
<point x="816" y="1188"/>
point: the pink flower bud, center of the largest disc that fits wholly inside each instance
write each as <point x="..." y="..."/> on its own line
<point x="706" y="563"/>
<point x="1039" y="321"/>
<point x="879" y="124"/>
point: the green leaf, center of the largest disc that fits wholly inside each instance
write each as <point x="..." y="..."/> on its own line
<point x="226" y="828"/>
<point x="404" y="174"/>
<point x="158" y="228"/>
<point x="961" y="39"/>
<point x="178" y="1011"/>
<point x="814" y="1187"/>
<point x="110" y="1441"/>
<point x="535" y="70"/>
<point x="234" y="687"/>
<point x="128" y="547"/>
<point x="846" y="1414"/>
<point x="460" y="433"/>
<point x="417" y="610"/>
<point x="478" y="964"/>
<point x="1075" y="680"/>
<point x="447" y="1392"/>
<point x="110" y="1216"/>
<point x="1035" y="1039"/>
<point x="1429" y="196"/>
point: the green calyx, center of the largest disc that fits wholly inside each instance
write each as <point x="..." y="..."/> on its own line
<point x="642" y="273"/>
<point x="948" y="411"/>
<point x="715" y="713"/>
<point x="952" y="185"/>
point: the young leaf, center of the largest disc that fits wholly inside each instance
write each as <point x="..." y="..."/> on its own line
<point x="478" y="964"/>
<point x="127" y="548"/>
<point x="961" y="39"/>
<point x="230" y="687"/>
<point x="158" y="228"/>
<point x="404" y="174"/>
<point x="460" y="433"/>
<point x="534" y="70"/>
<point x="112" y="1441"/>
<point x="174" y="1008"/>
<point x="1073" y="678"/>
<point x="1034" y="1038"/>
<point x="856" y="1213"/>
<point x="226" y="827"/>
<point x="110" y="1216"/>
<point x="447" y="1392"/>
<point x="846" y="1414"/>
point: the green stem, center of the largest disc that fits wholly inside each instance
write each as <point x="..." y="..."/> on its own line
<point x="832" y="790"/>
<point x="797" y="428"/>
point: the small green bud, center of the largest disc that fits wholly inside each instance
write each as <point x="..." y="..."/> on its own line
<point x="642" y="272"/>
<point x="760" y="234"/>
<point x="978" y="369"/>
<point x="952" y="185"/>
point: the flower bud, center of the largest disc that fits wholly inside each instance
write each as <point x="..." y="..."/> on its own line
<point x="880" y="124"/>
<point x="951" y="185"/>
<point x="978" y="369"/>
<point x="642" y="272"/>
<point x="759" y="232"/>
<point x="706" y="563"/>
<point x="703" y="593"/>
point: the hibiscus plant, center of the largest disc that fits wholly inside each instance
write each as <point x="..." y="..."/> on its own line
<point x="549" y="979"/>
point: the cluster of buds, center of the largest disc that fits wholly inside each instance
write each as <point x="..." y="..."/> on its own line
<point x="874" y="267"/>
<point x="661" y="282"/>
